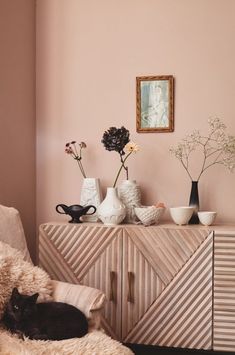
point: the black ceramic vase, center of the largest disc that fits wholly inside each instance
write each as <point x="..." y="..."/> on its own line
<point x="194" y="202"/>
<point x="75" y="211"/>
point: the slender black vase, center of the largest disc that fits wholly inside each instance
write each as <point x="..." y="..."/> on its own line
<point x="194" y="202"/>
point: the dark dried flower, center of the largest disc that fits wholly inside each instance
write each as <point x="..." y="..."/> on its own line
<point x="116" y="139"/>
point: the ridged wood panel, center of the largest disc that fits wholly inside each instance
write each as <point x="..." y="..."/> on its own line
<point x="86" y="255"/>
<point x="146" y="285"/>
<point x="154" y="257"/>
<point x="224" y="293"/>
<point x="182" y="315"/>
<point x="166" y="249"/>
<point x="99" y="276"/>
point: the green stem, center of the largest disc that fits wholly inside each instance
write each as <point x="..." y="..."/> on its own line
<point x="120" y="169"/>
<point x="125" y="167"/>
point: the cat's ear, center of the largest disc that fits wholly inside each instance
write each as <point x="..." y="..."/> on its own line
<point x="15" y="292"/>
<point x="34" y="297"/>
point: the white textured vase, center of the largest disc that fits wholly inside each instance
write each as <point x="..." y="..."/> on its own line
<point x="130" y="195"/>
<point x="111" y="211"/>
<point x="90" y="195"/>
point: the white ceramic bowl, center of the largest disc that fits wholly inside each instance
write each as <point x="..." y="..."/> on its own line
<point x="181" y="215"/>
<point x="207" y="217"/>
<point x="149" y="214"/>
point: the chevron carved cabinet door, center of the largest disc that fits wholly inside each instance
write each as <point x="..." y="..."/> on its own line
<point x="168" y="287"/>
<point x="89" y="255"/>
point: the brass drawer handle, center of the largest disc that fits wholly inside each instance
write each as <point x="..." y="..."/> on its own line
<point x="130" y="295"/>
<point x="112" y="286"/>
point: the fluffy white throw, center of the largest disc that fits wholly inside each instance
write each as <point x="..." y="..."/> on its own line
<point x="15" y="272"/>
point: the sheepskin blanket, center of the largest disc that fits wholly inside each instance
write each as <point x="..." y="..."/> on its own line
<point x="15" y="272"/>
<point x="94" y="343"/>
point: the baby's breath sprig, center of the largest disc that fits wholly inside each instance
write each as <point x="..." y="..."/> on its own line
<point x="217" y="148"/>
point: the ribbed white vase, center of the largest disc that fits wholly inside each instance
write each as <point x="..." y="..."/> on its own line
<point x="91" y="195"/>
<point x="111" y="211"/>
<point x="130" y="195"/>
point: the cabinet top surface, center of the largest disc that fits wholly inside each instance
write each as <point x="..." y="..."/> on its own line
<point x="217" y="228"/>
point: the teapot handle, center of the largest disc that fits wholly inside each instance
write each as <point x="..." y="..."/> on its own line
<point x="91" y="206"/>
<point x="61" y="206"/>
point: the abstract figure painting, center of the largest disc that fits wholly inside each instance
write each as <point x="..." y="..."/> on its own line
<point x="155" y="104"/>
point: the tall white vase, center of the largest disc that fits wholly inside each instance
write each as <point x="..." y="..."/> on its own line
<point x="111" y="211"/>
<point x="91" y="195"/>
<point x="130" y="195"/>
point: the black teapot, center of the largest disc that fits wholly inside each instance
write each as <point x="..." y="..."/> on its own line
<point x="75" y="211"/>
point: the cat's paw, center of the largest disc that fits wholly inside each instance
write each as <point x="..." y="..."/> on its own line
<point x="39" y="337"/>
<point x="19" y="334"/>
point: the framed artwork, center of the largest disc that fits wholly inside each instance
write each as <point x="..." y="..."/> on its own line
<point x="155" y="103"/>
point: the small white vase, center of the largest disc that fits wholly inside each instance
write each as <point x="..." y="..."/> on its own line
<point x="90" y="195"/>
<point x="111" y="211"/>
<point x="130" y="195"/>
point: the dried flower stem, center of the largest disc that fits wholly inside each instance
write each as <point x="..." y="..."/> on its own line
<point x="121" y="167"/>
<point x="80" y="166"/>
<point x="185" y="166"/>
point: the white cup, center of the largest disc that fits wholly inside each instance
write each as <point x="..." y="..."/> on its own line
<point x="181" y="215"/>
<point x="206" y="217"/>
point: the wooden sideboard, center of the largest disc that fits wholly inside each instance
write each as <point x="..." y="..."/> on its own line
<point x="165" y="285"/>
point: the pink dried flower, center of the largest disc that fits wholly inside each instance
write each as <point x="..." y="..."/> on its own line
<point x="82" y="145"/>
<point x="73" y="152"/>
<point x="69" y="150"/>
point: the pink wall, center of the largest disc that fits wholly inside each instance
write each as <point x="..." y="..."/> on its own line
<point x="17" y="111"/>
<point x="88" y="56"/>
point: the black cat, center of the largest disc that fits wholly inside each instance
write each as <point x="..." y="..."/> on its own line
<point x="46" y="321"/>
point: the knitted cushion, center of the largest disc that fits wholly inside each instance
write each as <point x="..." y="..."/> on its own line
<point x="86" y="298"/>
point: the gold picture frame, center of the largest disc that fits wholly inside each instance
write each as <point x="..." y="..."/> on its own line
<point x="155" y="103"/>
